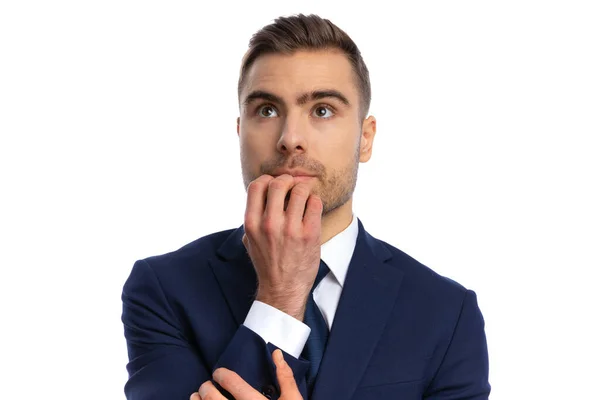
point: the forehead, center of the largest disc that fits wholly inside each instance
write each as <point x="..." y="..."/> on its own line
<point x="301" y="72"/>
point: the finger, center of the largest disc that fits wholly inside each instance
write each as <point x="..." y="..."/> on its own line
<point x="312" y="216"/>
<point x="195" y="396"/>
<point x="255" y="203"/>
<point x="297" y="204"/>
<point x="234" y="384"/>
<point x="276" y="194"/>
<point x="208" y="391"/>
<point x="245" y="241"/>
<point x="285" y="376"/>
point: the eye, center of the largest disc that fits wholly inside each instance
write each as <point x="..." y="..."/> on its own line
<point x="267" y="111"/>
<point x="323" y="112"/>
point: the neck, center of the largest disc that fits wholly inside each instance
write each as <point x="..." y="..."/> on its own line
<point x="336" y="221"/>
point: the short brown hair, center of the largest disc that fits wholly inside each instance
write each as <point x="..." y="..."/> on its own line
<point x="287" y="35"/>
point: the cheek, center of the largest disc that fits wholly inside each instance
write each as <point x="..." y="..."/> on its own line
<point x="255" y="148"/>
<point x="340" y="153"/>
<point x="258" y="135"/>
<point x="343" y="135"/>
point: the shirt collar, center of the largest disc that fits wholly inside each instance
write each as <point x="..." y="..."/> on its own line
<point x="337" y="251"/>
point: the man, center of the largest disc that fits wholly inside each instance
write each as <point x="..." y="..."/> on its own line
<point x="354" y="317"/>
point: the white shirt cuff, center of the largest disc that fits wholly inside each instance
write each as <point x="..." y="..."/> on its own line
<point x="277" y="328"/>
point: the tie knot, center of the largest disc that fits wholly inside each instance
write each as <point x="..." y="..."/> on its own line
<point x="323" y="271"/>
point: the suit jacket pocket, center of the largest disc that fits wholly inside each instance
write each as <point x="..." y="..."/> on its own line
<point x="395" y="371"/>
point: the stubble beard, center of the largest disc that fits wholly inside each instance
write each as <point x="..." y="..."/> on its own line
<point x="335" y="188"/>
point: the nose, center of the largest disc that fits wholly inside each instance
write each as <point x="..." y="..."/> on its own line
<point x="293" y="136"/>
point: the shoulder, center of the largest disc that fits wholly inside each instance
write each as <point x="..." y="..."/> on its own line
<point x="191" y="255"/>
<point x="421" y="279"/>
<point x="433" y="299"/>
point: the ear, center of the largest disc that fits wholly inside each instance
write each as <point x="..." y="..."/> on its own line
<point x="238" y="126"/>
<point x="369" y="129"/>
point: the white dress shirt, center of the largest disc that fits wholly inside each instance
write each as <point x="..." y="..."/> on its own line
<point x="285" y="331"/>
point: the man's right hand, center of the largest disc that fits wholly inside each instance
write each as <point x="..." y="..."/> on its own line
<point x="283" y="244"/>
<point x="234" y="384"/>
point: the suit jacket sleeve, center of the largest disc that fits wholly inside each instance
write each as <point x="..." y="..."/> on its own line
<point x="164" y="364"/>
<point x="463" y="373"/>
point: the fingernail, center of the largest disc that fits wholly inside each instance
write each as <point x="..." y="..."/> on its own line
<point x="217" y="375"/>
<point x="203" y="390"/>
<point x="279" y="360"/>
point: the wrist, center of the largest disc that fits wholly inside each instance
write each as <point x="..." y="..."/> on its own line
<point x="289" y="303"/>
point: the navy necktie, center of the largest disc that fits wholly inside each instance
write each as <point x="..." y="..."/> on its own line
<point x="317" y="340"/>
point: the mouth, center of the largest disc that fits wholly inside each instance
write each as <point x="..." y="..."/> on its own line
<point x="303" y="178"/>
<point x="295" y="173"/>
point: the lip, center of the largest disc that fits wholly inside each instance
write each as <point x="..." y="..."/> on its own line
<point x="294" y="173"/>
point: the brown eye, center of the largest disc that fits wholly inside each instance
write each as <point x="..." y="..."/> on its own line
<point x="323" y="112"/>
<point x="267" y="112"/>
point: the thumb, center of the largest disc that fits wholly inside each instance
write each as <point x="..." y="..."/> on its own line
<point x="285" y="378"/>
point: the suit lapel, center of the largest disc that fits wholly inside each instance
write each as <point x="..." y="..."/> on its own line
<point x="365" y="305"/>
<point x="235" y="274"/>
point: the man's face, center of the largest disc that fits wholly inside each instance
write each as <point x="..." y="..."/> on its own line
<point x="300" y="114"/>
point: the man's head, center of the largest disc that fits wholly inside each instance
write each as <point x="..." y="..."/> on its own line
<point x="304" y="94"/>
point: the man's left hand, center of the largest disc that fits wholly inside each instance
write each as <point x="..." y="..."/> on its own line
<point x="241" y="390"/>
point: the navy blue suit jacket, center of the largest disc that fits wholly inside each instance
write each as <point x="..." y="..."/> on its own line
<point x="401" y="331"/>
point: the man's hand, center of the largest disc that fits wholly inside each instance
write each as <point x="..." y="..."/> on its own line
<point x="284" y="243"/>
<point x="235" y="385"/>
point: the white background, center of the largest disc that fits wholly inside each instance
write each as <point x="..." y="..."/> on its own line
<point x="118" y="141"/>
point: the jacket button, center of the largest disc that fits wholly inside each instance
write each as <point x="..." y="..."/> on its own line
<point x="268" y="391"/>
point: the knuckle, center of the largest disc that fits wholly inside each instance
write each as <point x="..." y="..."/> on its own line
<point x="268" y="225"/>
<point x="250" y="231"/>
<point x="250" y="222"/>
<point x="290" y="231"/>
<point x="286" y="373"/>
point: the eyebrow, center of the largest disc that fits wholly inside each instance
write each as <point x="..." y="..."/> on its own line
<point x="301" y="100"/>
